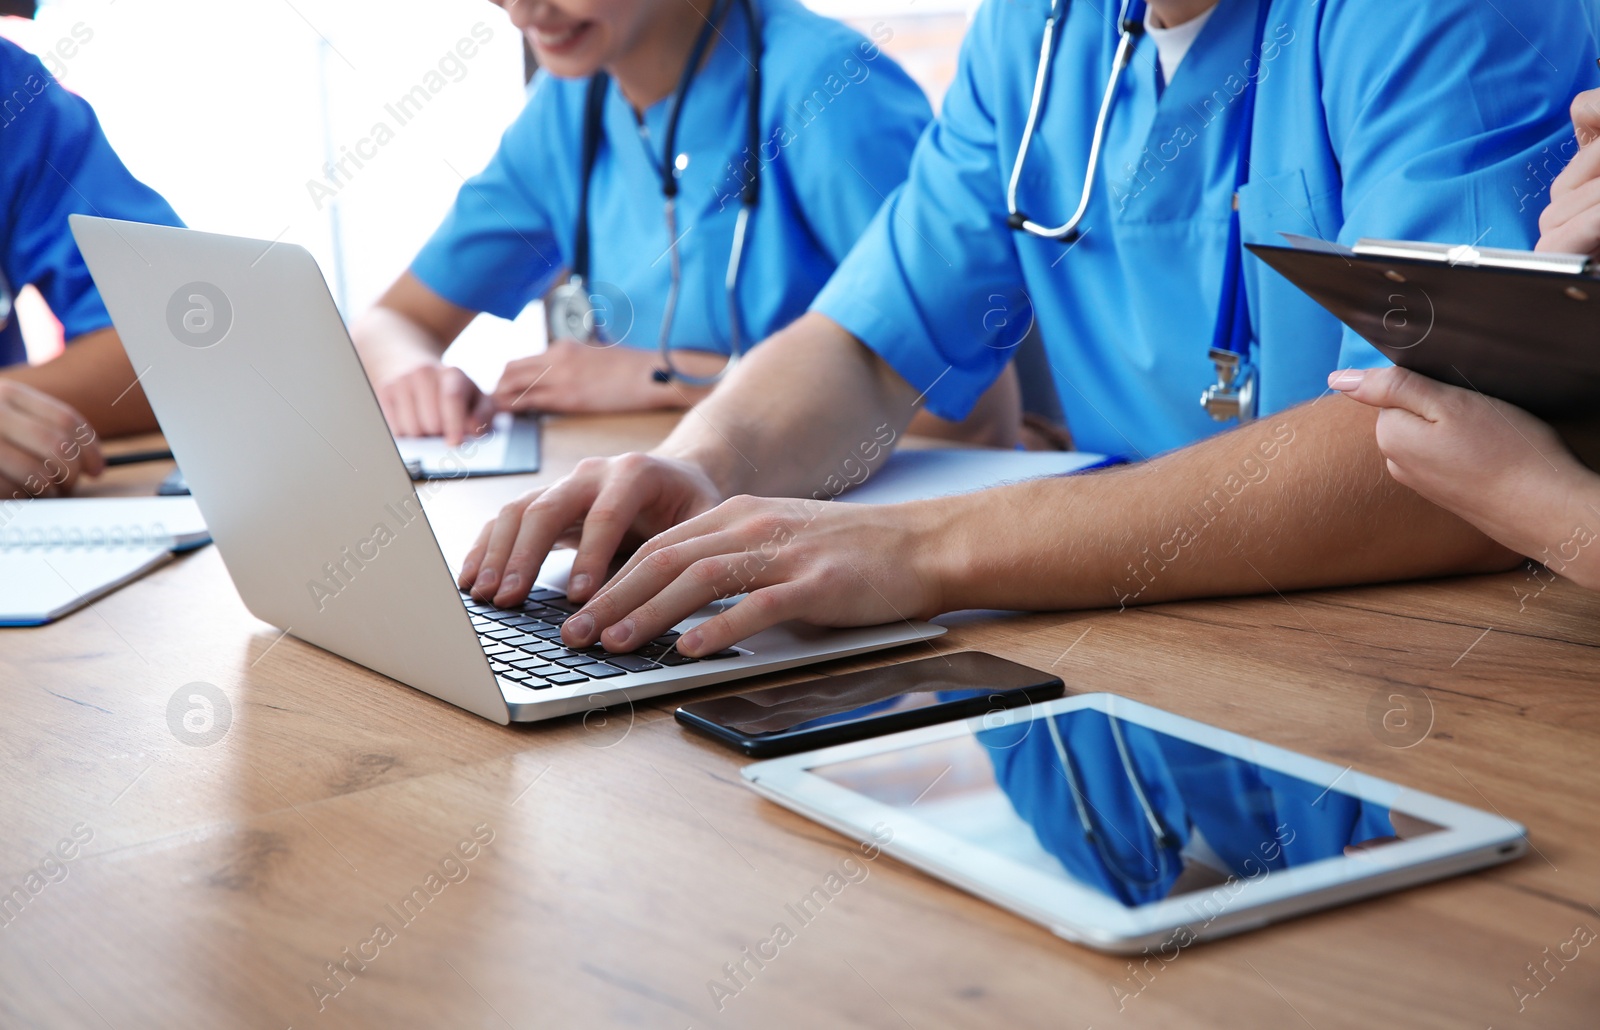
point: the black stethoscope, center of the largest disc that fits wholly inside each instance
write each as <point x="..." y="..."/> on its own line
<point x="1233" y="395"/>
<point x="571" y="306"/>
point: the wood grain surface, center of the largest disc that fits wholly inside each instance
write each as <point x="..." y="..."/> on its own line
<point x="352" y="853"/>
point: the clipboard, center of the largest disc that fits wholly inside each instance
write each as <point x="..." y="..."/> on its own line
<point x="510" y="448"/>
<point x="1520" y="326"/>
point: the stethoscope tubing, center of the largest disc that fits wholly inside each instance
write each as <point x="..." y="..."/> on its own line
<point x="749" y="198"/>
<point x="1163" y="839"/>
<point x="1067" y="232"/>
<point x="1232" y="334"/>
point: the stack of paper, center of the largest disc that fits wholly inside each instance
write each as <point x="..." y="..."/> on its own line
<point x="920" y="475"/>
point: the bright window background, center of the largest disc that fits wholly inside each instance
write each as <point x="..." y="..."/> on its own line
<point x="926" y="33"/>
<point x="233" y="110"/>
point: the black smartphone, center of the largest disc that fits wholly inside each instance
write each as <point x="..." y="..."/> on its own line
<point x="857" y="705"/>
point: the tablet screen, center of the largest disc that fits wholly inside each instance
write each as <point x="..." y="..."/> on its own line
<point x="1132" y="813"/>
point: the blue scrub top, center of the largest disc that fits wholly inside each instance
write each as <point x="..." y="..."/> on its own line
<point x="54" y="162"/>
<point x="1373" y="118"/>
<point x="839" y="123"/>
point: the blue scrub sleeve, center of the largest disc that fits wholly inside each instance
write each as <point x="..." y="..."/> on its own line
<point x="496" y="251"/>
<point x="922" y="286"/>
<point x="845" y="158"/>
<point x="55" y="161"/>
<point x="1433" y="109"/>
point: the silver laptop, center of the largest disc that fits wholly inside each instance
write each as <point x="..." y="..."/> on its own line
<point x="265" y="405"/>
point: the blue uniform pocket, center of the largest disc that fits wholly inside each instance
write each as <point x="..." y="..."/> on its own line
<point x="1297" y="341"/>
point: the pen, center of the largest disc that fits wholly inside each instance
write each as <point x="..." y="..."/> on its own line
<point x="136" y="457"/>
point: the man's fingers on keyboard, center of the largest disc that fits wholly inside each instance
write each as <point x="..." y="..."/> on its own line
<point x="614" y="510"/>
<point x="528" y="540"/>
<point x="501" y="533"/>
<point x="670" y="584"/>
<point x="761" y="609"/>
<point x="707" y="580"/>
<point x="474" y="558"/>
<point x="706" y="524"/>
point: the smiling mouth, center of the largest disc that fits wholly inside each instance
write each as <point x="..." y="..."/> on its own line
<point x="557" y="41"/>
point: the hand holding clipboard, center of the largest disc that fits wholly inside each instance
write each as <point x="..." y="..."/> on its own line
<point x="1486" y="334"/>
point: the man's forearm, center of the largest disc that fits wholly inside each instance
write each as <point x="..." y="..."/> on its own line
<point x="94" y="376"/>
<point x="1294" y="501"/>
<point x="795" y="410"/>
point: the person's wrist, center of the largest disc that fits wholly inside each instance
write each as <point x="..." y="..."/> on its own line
<point x="703" y="481"/>
<point x="389" y="344"/>
<point x="396" y="360"/>
<point x="1534" y="511"/>
<point x="705" y="461"/>
<point x="1574" y="549"/>
<point x="940" y="554"/>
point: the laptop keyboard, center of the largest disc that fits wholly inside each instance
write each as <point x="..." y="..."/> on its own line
<point x="524" y="645"/>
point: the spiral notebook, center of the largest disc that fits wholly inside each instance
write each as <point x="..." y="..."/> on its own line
<point x="58" y="555"/>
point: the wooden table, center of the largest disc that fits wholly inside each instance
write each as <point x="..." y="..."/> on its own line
<point x="625" y="866"/>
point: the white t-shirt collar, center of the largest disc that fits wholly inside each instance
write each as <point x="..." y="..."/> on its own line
<point x="1173" y="44"/>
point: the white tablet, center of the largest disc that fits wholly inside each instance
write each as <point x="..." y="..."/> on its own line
<point x="1126" y="828"/>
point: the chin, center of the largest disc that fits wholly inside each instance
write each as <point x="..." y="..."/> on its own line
<point x="567" y="68"/>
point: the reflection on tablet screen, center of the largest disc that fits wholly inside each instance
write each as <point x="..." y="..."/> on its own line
<point x="1130" y="812"/>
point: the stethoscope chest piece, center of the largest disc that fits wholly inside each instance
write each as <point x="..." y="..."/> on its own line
<point x="1233" y="395"/>
<point x="570" y="312"/>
